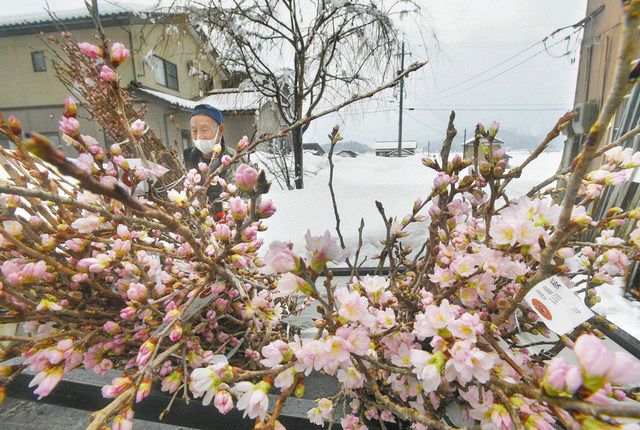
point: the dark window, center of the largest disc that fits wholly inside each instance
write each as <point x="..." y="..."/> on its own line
<point x="37" y="59"/>
<point x="165" y="72"/>
<point x="172" y="75"/>
<point x="186" y="139"/>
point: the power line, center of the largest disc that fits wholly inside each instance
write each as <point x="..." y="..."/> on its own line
<point x="424" y="123"/>
<point x="506" y="70"/>
<point x="489" y="69"/>
<point x="490" y="109"/>
<point x="543" y="41"/>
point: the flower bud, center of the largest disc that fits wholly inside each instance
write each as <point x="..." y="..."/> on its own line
<point x="90" y="50"/>
<point x="107" y="74"/>
<point x="69" y="126"/>
<point x="70" y="107"/>
<point x="246" y="178"/>
<point x="137" y="128"/>
<point x="14" y="125"/>
<point x="242" y="143"/>
<point x="119" y="53"/>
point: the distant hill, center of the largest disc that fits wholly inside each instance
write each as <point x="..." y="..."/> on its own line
<point x="351" y="145"/>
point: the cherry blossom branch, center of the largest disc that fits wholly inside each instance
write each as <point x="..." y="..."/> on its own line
<point x="620" y="87"/>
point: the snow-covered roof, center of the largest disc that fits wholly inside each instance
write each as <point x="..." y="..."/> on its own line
<point x="393" y="144"/>
<point x="226" y="100"/>
<point x="72" y="10"/>
<point x="173" y="100"/>
<point x="232" y="99"/>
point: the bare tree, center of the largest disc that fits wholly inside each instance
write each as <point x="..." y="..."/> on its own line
<point x="300" y="53"/>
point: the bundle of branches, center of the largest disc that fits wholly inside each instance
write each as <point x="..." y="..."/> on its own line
<point x="89" y="72"/>
<point x="102" y="278"/>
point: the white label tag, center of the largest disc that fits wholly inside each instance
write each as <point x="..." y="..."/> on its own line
<point x="558" y="307"/>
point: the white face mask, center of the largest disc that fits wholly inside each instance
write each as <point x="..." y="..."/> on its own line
<point x="205" y="146"/>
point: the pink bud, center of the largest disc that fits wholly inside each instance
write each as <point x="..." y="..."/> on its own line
<point x="90" y="50"/>
<point x="69" y="126"/>
<point x="266" y="209"/>
<point x="592" y="355"/>
<point x="115" y="149"/>
<point x="111" y="327"/>
<point x="246" y="177"/>
<point x="137" y="127"/>
<point x="107" y="74"/>
<point x="238" y="208"/>
<point x="145" y="352"/>
<point x="223" y="402"/>
<point x="242" y="143"/>
<point x="70" y="107"/>
<point x="176" y="333"/>
<point x="119" y="53"/>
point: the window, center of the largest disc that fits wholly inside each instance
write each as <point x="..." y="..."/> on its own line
<point x="37" y="59"/>
<point x="165" y="72"/>
<point x="186" y="139"/>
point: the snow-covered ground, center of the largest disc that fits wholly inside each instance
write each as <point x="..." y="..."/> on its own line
<point x="397" y="182"/>
<point x="358" y="183"/>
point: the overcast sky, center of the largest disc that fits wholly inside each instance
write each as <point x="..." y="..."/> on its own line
<point x="473" y="36"/>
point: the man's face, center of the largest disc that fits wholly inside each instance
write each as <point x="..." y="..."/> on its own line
<point x="203" y="127"/>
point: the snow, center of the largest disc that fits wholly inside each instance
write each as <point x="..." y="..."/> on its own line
<point x="393" y="144"/>
<point x="225" y="100"/>
<point x="397" y="182"/>
<point x="174" y="100"/>
<point x="620" y="311"/>
<point x="358" y="183"/>
<point x="35" y="11"/>
<point x="232" y="99"/>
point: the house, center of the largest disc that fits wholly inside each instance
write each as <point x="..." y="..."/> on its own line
<point x="389" y="148"/>
<point x="483" y="148"/>
<point x="314" y="148"/>
<point x="161" y="72"/>
<point x="599" y="46"/>
<point x="347" y="154"/>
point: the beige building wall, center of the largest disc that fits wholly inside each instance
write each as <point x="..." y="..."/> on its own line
<point x="37" y="98"/>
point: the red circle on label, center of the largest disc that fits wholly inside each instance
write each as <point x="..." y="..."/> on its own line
<point x="540" y="307"/>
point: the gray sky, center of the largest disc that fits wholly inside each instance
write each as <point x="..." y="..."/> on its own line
<point x="474" y="36"/>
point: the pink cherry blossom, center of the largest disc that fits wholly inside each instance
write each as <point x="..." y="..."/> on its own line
<point x="280" y="258"/>
<point x="87" y="224"/>
<point x="560" y="376"/>
<point x="323" y="249"/>
<point x="433" y="319"/>
<point x="47" y="380"/>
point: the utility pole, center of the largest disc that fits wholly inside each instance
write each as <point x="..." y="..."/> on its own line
<point x="401" y="102"/>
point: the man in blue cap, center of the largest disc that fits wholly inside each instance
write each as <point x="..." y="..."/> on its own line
<point x="206" y="128"/>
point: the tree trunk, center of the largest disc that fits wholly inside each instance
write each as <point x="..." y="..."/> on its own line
<point x="296" y="140"/>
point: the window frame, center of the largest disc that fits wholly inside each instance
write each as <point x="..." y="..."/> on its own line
<point x="168" y="78"/>
<point x="33" y="61"/>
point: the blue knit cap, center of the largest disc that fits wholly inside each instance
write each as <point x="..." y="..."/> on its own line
<point x="209" y="111"/>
